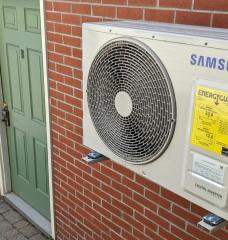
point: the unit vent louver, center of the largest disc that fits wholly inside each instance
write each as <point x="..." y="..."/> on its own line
<point x="131" y="101"/>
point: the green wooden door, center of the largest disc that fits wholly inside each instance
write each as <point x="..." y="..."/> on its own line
<point x="22" y="80"/>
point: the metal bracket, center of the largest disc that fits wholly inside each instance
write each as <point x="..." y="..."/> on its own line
<point x="209" y="228"/>
<point x="94" y="157"/>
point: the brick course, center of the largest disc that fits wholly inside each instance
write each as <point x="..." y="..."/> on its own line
<point x="105" y="201"/>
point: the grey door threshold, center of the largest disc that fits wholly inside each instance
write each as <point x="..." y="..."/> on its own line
<point x="30" y="213"/>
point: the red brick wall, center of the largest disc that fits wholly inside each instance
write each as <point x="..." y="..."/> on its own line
<point x="106" y="201"/>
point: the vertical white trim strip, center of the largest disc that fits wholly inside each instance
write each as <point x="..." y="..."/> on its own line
<point x="48" y="128"/>
<point x="5" y="179"/>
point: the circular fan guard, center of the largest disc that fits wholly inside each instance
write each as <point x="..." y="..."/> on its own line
<point x="130" y="67"/>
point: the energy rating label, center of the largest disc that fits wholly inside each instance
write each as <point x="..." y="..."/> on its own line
<point x="210" y="120"/>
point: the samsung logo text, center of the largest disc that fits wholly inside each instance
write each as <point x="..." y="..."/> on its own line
<point x="209" y="62"/>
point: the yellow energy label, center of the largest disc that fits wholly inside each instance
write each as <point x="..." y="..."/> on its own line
<point x="210" y="120"/>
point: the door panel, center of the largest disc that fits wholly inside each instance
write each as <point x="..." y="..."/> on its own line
<point x="22" y="80"/>
<point x="32" y="20"/>
<point x="14" y="76"/>
<point x="41" y="165"/>
<point x="10" y="17"/>
<point x="21" y="154"/>
<point x="35" y="69"/>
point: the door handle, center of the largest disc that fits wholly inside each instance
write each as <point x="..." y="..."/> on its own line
<point x="5" y="116"/>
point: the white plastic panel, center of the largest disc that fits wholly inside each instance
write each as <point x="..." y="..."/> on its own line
<point x="208" y="190"/>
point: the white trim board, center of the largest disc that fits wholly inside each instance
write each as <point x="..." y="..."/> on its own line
<point x="5" y="180"/>
<point x="47" y="107"/>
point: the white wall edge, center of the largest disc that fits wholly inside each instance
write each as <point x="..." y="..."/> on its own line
<point x="5" y="179"/>
<point x="48" y="125"/>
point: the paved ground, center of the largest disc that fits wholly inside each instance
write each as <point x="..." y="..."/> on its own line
<point x="14" y="227"/>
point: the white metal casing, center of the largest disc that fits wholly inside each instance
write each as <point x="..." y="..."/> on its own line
<point x="174" y="45"/>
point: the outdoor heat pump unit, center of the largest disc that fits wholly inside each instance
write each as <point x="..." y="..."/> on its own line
<point x="155" y="99"/>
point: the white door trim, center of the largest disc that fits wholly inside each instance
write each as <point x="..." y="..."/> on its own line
<point x="5" y="180"/>
<point x="47" y="107"/>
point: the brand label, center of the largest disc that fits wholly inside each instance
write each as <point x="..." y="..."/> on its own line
<point x="209" y="62"/>
<point x="209" y="191"/>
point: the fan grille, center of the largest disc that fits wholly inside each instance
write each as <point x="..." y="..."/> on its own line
<point x="127" y="67"/>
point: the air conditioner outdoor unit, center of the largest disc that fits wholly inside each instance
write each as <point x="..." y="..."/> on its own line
<point x="155" y="99"/>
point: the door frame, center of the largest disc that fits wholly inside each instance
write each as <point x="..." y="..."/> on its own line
<point x="5" y="179"/>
